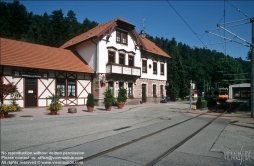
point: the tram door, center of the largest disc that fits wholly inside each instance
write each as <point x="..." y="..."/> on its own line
<point x="143" y="92"/>
<point x="31" y="92"/>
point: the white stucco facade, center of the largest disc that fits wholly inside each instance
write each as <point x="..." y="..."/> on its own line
<point x="96" y="53"/>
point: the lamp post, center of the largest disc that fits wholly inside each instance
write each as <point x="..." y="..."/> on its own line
<point x="252" y="69"/>
<point x="190" y="93"/>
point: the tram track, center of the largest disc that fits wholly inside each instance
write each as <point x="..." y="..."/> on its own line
<point x="172" y="149"/>
<point x="162" y="155"/>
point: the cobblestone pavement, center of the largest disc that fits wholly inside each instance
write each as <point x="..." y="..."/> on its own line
<point x="236" y="118"/>
<point x="82" y="111"/>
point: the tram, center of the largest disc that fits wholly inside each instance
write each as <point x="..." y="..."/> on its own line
<point x="218" y="94"/>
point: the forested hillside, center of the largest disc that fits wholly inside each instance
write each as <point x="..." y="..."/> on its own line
<point x="207" y="68"/>
<point x="48" y="29"/>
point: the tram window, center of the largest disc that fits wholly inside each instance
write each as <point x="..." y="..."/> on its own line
<point x="223" y="92"/>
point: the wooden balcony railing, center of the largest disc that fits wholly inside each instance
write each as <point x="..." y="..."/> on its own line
<point x="121" y="69"/>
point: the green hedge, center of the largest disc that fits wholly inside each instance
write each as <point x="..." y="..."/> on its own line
<point x="211" y="103"/>
<point x="201" y="103"/>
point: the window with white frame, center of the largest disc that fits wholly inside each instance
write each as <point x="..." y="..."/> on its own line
<point x="71" y="88"/>
<point x="130" y="89"/>
<point x="121" y="37"/>
<point x="154" y="67"/>
<point x="60" y="84"/>
<point x="131" y="60"/>
<point x="121" y="59"/>
<point x="162" y="68"/>
<point x="144" y="66"/>
<point x="161" y="90"/>
<point x="154" y="91"/>
<point x="111" y="57"/>
<point x="121" y="85"/>
<point x="111" y="86"/>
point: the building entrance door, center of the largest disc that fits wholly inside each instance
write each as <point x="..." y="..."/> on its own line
<point x="30" y="92"/>
<point x="143" y="93"/>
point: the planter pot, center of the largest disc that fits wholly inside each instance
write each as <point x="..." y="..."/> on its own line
<point x="120" y="105"/>
<point x="3" y="115"/>
<point x="53" y="112"/>
<point x="90" y="109"/>
<point x="108" y="108"/>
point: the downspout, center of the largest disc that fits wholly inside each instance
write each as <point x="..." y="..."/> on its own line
<point x="95" y="69"/>
<point x="96" y="57"/>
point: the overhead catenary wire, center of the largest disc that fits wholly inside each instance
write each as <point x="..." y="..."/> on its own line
<point x="210" y="44"/>
<point x="235" y="36"/>
<point x="209" y="40"/>
<point x="184" y="21"/>
<point x="228" y="39"/>
<point x="235" y="21"/>
<point x="236" y="25"/>
<point x="238" y="10"/>
<point x="224" y="25"/>
<point x="230" y="24"/>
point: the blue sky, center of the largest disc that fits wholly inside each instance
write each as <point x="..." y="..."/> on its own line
<point x="187" y="21"/>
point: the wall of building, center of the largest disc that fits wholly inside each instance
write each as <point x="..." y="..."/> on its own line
<point x="241" y="87"/>
<point x="45" y="87"/>
<point x="19" y="82"/>
<point x="98" y="90"/>
<point x="103" y="51"/>
<point x="159" y="60"/>
<point x="88" y="50"/>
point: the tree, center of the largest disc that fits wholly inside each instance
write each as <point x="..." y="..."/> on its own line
<point x="17" y="19"/>
<point x="87" y="25"/>
<point x="59" y="27"/>
<point x="73" y="25"/>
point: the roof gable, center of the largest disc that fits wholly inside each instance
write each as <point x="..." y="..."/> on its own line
<point x="107" y="28"/>
<point x="23" y="54"/>
<point x="98" y="31"/>
<point x="151" y="47"/>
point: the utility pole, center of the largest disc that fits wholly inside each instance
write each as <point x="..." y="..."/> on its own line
<point x="252" y="69"/>
<point x="190" y="93"/>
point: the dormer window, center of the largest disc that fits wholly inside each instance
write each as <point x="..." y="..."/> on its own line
<point x="118" y="36"/>
<point x="121" y="37"/>
<point x="124" y="38"/>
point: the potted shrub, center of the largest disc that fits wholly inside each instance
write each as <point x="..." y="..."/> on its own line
<point x="122" y="97"/>
<point x="12" y="90"/>
<point x="4" y="111"/>
<point x="55" y="104"/>
<point x="109" y="99"/>
<point x="90" y="102"/>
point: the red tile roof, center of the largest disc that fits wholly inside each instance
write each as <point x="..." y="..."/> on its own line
<point x="104" y="27"/>
<point x="22" y="54"/>
<point x="151" y="47"/>
<point x="94" y="32"/>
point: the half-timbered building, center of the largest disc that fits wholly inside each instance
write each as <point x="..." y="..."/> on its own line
<point x="39" y="70"/>
<point x="110" y="55"/>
